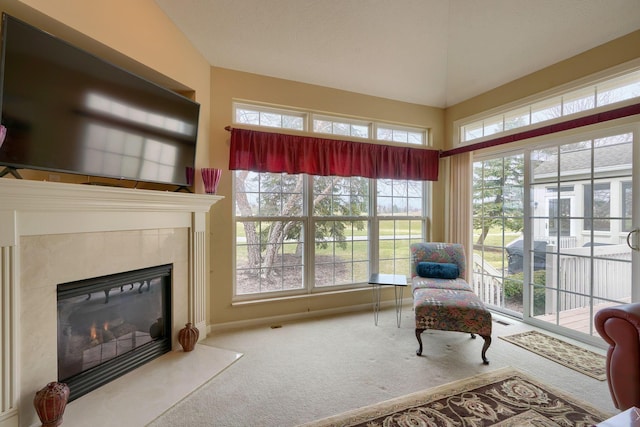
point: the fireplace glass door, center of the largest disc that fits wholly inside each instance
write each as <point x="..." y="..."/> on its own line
<point x="109" y="325"/>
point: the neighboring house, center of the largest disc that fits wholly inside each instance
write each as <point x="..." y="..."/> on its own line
<point x="572" y="203"/>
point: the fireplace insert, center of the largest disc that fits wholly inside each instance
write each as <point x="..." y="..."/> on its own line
<point x="110" y="325"/>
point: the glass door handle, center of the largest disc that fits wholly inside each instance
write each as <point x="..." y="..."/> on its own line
<point x="635" y="248"/>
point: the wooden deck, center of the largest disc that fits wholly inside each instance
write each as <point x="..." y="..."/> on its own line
<point x="577" y="319"/>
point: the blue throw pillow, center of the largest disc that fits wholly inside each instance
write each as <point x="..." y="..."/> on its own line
<point x="438" y="270"/>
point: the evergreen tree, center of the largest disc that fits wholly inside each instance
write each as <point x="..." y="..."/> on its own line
<point x="498" y="195"/>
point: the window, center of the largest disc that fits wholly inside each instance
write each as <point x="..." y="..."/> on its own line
<point x="517" y="119"/>
<point x="300" y="234"/>
<point x="498" y="222"/>
<point x="597" y="210"/>
<point x="268" y="117"/>
<point x="605" y="92"/>
<point x="400" y="134"/>
<point x="493" y="125"/>
<point x="337" y="126"/>
<point x="627" y="206"/>
<point x="269" y="232"/>
<point x="559" y="215"/>
<point x="475" y="130"/>
<point x="560" y="210"/>
<point x="588" y="268"/>
<point x="619" y="89"/>
<point x="400" y="220"/>
<point x="546" y="110"/>
<point x="578" y="100"/>
<point x="341" y="229"/>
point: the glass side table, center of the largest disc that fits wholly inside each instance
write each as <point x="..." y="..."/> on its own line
<point x="398" y="281"/>
<point x="628" y="418"/>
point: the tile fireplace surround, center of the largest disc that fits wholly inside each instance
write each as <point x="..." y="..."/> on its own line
<point x="53" y="233"/>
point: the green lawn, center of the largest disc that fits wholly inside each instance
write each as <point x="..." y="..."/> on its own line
<point x="351" y="260"/>
<point x="393" y="252"/>
<point x="493" y="243"/>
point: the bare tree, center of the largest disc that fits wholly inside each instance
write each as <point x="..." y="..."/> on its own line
<point x="281" y="196"/>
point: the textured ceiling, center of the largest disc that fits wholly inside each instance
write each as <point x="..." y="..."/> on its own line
<point x="430" y="52"/>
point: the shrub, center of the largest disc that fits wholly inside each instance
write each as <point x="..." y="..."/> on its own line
<point x="513" y="289"/>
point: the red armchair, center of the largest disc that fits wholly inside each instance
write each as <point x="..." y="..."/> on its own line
<point x="620" y="328"/>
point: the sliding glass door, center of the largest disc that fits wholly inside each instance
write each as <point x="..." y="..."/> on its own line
<point x="498" y="225"/>
<point x="551" y="225"/>
<point x="581" y="211"/>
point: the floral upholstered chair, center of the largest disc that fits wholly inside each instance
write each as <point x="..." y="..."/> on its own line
<point x="442" y="298"/>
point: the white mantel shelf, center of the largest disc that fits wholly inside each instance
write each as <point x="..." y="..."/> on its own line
<point x="60" y="208"/>
<point x="17" y="194"/>
<point x="41" y="208"/>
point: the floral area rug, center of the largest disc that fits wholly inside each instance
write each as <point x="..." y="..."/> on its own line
<point x="505" y="397"/>
<point x="564" y="353"/>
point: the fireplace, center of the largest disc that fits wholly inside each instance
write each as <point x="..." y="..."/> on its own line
<point x="53" y="233"/>
<point x="110" y="325"/>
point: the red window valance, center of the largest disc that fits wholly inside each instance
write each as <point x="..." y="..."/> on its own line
<point x="274" y="152"/>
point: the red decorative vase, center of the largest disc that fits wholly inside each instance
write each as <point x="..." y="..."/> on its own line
<point x="50" y="402"/>
<point x="188" y="336"/>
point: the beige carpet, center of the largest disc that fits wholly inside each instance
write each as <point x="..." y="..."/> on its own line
<point x="506" y="397"/>
<point x="562" y="352"/>
<point x="310" y="369"/>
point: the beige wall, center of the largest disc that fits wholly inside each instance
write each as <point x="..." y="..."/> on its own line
<point x="138" y="36"/>
<point x="616" y="52"/>
<point x="227" y="85"/>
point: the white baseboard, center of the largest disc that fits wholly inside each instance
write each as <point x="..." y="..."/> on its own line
<point x="276" y="320"/>
<point x="9" y="419"/>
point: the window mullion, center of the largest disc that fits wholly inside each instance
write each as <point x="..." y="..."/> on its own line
<point x="374" y="228"/>
<point x="309" y="241"/>
<point x="426" y="209"/>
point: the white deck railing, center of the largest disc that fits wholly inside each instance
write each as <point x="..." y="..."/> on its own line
<point x="487" y="281"/>
<point x="565" y="241"/>
<point x="608" y="272"/>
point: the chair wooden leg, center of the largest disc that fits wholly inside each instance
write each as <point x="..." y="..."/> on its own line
<point x="418" y="333"/>
<point x="487" y="343"/>
<point x="485" y="347"/>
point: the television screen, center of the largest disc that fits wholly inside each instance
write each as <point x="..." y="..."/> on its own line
<point x="67" y="110"/>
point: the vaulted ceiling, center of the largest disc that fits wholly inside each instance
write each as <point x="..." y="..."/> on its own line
<point x="430" y="52"/>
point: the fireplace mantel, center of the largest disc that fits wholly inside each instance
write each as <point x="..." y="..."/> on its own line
<point x="46" y="196"/>
<point x="54" y="208"/>
<point x="41" y="208"/>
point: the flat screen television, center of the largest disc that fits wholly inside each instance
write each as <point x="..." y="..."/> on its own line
<point x="66" y="110"/>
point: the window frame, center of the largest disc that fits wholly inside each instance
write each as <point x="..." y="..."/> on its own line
<point x="626" y="188"/>
<point x="334" y="120"/>
<point x="399" y="259"/>
<point x="265" y="109"/>
<point x="594" y="82"/>
<point x="309" y="219"/>
<point x="399" y="128"/>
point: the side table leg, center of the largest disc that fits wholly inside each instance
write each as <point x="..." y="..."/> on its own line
<point x="398" y="304"/>
<point x="376" y="302"/>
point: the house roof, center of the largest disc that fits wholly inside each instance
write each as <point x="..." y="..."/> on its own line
<point x="611" y="157"/>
